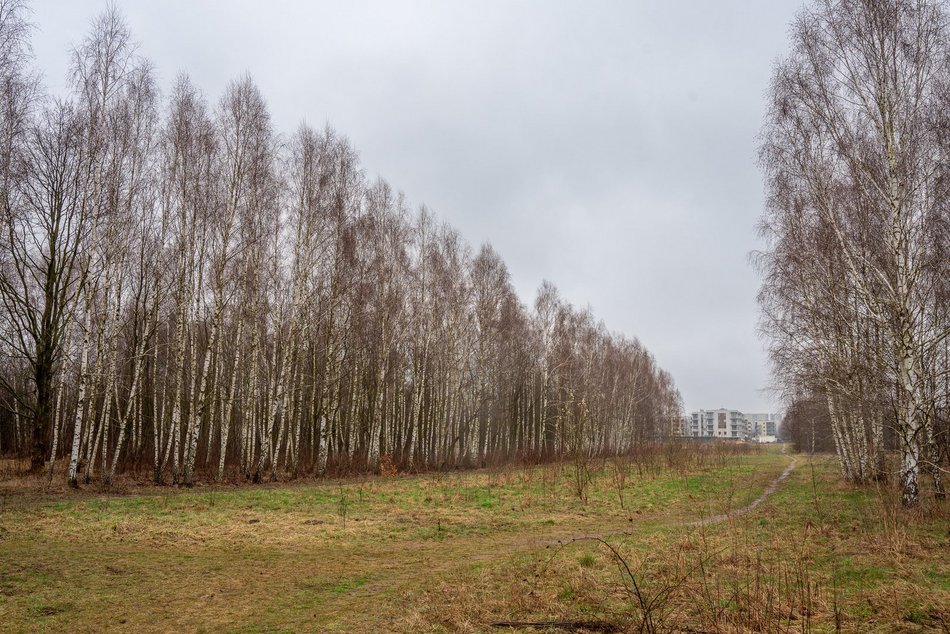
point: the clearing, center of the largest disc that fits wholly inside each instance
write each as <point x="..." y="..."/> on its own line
<point x="489" y="550"/>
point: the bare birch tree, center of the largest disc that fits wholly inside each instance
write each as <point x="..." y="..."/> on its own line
<point x="183" y="291"/>
<point x="854" y="140"/>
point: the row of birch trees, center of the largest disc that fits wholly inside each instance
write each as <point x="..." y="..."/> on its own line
<point x="187" y="293"/>
<point x="856" y="292"/>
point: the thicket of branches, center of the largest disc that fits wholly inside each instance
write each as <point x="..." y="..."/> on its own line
<point x="856" y="152"/>
<point x="807" y="425"/>
<point x="188" y="292"/>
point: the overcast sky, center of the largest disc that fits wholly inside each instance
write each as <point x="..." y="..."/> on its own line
<point x="606" y="146"/>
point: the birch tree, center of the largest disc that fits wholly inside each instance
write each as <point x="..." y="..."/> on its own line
<point x="183" y="290"/>
<point x="854" y="136"/>
<point x="45" y="223"/>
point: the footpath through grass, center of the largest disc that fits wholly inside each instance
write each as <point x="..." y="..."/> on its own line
<point x="464" y="551"/>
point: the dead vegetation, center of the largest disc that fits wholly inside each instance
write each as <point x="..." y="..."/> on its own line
<point x="509" y="549"/>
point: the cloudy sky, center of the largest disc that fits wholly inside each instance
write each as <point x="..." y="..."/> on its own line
<point x="606" y="146"/>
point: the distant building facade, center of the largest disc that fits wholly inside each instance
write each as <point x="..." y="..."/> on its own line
<point x="730" y="423"/>
<point x="764" y="424"/>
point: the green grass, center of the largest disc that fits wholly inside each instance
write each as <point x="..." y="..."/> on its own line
<point x="454" y="551"/>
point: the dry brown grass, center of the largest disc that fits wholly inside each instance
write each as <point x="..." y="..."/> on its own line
<point x="460" y="551"/>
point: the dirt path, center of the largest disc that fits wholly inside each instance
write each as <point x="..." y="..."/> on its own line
<point x="769" y="490"/>
<point x="706" y="521"/>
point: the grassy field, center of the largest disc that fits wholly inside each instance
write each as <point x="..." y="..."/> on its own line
<point x="467" y="551"/>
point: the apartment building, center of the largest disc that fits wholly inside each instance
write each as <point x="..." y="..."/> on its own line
<point x="716" y="423"/>
<point x="729" y="423"/>
<point x="764" y="424"/>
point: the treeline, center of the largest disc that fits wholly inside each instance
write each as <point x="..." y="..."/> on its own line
<point x="187" y="292"/>
<point x="807" y="425"/>
<point x="856" y="293"/>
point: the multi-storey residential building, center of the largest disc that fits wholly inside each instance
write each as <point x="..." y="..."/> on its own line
<point x="729" y="423"/>
<point x="764" y="424"/>
<point x="686" y="423"/>
<point x="716" y="423"/>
